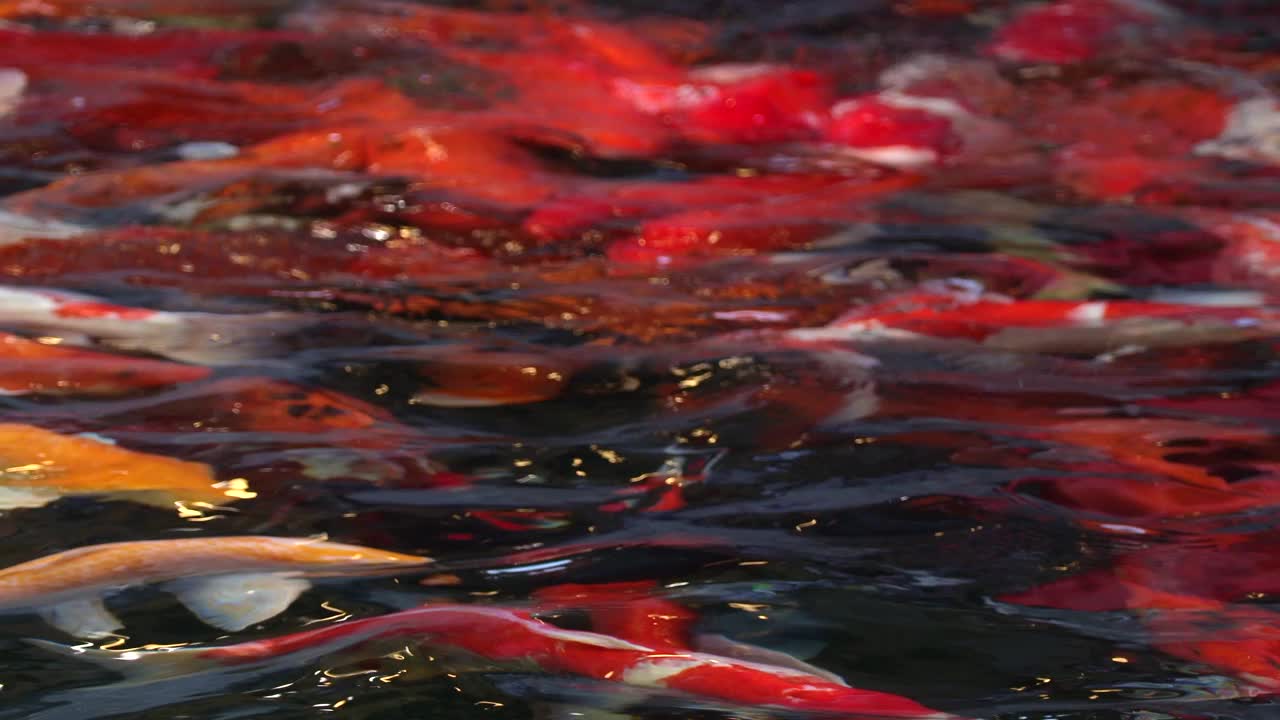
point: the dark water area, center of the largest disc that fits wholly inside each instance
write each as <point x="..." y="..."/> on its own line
<point x="929" y="343"/>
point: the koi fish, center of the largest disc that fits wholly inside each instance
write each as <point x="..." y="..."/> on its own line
<point x="1070" y="31"/>
<point x="200" y="337"/>
<point x="31" y="367"/>
<point x="778" y="223"/>
<point x="228" y="582"/>
<point x="240" y="263"/>
<point x="735" y="103"/>
<point x="313" y="433"/>
<point x="962" y="311"/>
<point x="41" y="466"/>
<point x="1185" y="594"/>
<point x="516" y="636"/>
<point x="1240" y="640"/>
<point x="876" y="129"/>
<point x="476" y="379"/>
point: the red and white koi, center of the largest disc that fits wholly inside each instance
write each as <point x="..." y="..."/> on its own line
<point x="515" y="635"/>
<point x="206" y="338"/>
<point x="961" y="310"/>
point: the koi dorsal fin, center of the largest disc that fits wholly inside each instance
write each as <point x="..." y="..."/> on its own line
<point x="725" y="647"/>
<point x="628" y="610"/>
<point x="234" y="602"/>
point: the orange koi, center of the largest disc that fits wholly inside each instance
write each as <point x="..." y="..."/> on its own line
<point x="228" y="582"/>
<point x="31" y="367"/>
<point x="474" y="379"/>
<point x="41" y="466"/>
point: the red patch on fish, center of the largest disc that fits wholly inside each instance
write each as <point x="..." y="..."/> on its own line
<point x="89" y="309"/>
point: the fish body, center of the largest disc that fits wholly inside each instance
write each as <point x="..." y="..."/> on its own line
<point x="229" y="582"/>
<point x="41" y="465"/>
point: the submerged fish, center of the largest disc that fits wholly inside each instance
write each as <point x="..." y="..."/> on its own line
<point x="228" y="582"/>
<point x="41" y="465"/>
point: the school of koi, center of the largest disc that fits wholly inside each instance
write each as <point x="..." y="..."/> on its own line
<point x="874" y="358"/>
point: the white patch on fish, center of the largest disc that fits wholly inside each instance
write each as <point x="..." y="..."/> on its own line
<point x="13" y="498"/>
<point x="1252" y="133"/>
<point x="1090" y="313"/>
<point x="206" y="151"/>
<point x="652" y="672"/>
<point x="898" y="156"/>
<point x="15" y="228"/>
<point x="938" y="106"/>
<point x="13" y="83"/>
<point x="915" y="69"/>
<point x="1209" y="298"/>
<point x="728" y="73"/>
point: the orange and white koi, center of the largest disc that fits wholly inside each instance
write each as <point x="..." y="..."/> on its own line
<point x="40" y="466"/>
<point x="228" y="582"/>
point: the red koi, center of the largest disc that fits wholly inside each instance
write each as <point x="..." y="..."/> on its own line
<point x="246" y="263"/>
<point x="624" y="204"/>
<point x="785" y="222"/>
<point x="877" y="130"/>
<point x="1195" y="572"/>
<point x="735" y="103"/>
<point x="1240" y="640"/>
<point x="1068" y="31"/>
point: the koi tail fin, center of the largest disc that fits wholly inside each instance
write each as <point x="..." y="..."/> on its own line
<point x="135" y="666"/>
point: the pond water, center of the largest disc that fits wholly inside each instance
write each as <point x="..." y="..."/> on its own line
<point x="926" y="343"/>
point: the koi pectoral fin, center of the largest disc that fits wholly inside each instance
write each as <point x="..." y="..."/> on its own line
<point x="234" y="602"/>
<point x="12" y="498"/>
<point x="721" y="645"/>
<point x="84" y="617"/>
